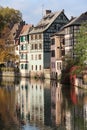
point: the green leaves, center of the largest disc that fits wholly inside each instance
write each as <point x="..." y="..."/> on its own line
<point x="10" y="15"/>
<point x="79" y="60"/>
<point x="80" y="48"/>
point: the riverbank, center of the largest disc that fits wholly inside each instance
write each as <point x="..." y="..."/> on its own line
<point x="13" y="73"/>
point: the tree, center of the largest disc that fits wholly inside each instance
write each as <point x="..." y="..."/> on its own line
<point x="76" y="64"/>
<point x="1" y="23"/>
<point x="8" y="17"/>
<point x="80" y="48"/>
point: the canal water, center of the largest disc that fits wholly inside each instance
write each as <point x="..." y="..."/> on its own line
<point x="29" y="104"/>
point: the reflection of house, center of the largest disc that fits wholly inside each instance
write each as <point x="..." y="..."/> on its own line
<point x="47" y="103"/>
<point x="68" y="120"/>
<point x="36" y="102"/>
<point x="57" y="53"/>
<point x="23" y="99"/>
<point x="30" y="100"/>
<point x="33" y="100"/>
<point x="53" y="102"/>
<point x="39" y="39"/>
<point x="56" y="104"/>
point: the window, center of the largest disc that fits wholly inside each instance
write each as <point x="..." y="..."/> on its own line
<point x="40" y="46"/>
<point x="40" y="36"/>
<point x="47" y="48"/>
<point x="32" y="46"/>
<point x="36" y="36"/>
<point x="59" y="66"/>
<point x="69" y="42"/>
<point x="39" y="56"/>
<point x="31" y="57"/>
<point x="53" y="64"/>
<point x="52" y="53"/>
<point x="21" y="47"/>
<point x="32" y="67"/>
<point x="26" y="66"/>
<point x="63" y="52"/>
<point x="22" y="66"/>
<point x="35" y="57"/>
<point x="35" y="46"/>
<point x="21" y="56"/>
<point x="31" y="37"/>
<point x="26" y="57"/>
<point x="53" y="41"/>
<point x="22" y="38"/>
<point x="40" y="67"/>
<point x="25" y="47"/>
<point x="67" y="30"/>
<point x="27" y="37"/>
<point x="63" y="41"/>
<point x="36" y="67"/>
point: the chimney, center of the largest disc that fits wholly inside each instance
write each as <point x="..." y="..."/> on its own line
<point x="63" y="10"/>
<point x="48" y="12"/>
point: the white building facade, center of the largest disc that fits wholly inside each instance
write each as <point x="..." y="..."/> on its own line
<point x="24" y="51"/>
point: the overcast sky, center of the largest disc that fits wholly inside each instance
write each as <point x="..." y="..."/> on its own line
<point x="33" y="10"/>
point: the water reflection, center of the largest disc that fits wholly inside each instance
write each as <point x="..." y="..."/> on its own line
<point x="56" y="103"/>
<point x="8" y="117"/>
<point x="34" y="101"/>
<point x="31" y="101"/>
<point x="41" y="105"/>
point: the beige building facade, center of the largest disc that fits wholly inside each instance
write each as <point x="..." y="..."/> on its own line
<point x="57" y="53"/>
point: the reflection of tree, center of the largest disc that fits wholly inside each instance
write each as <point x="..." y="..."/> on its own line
<point x="81" y="110"/>
<point x="1" y="123"/>
<point x="73" y="104"/>
<point x="79" y="119"/>
<point x="7" y="108"/>
<point x="66" y="96"/>
<point x="67" y="107"/>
